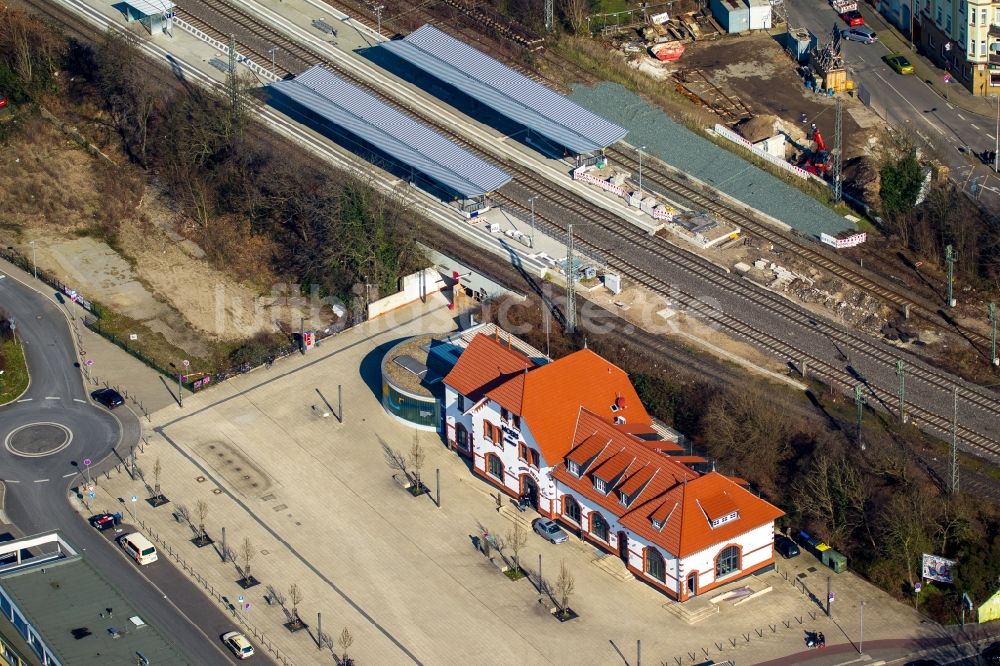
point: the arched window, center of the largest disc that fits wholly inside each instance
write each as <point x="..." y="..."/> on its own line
<point x="655" y="566"/>
<point x="462" y="437"/>
<point x="571" y="508"/>
<point x="494" y="466"/>
<point x="598" y="526"/>
<point x="727" y="562"/>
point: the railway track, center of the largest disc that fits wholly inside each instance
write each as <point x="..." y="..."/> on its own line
<point x="630" y="237"/>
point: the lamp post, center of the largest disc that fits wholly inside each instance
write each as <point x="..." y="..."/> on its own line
<point x="34" y="266"/>
<point x="532" y="202"/>
<point x="272" y="51"/>
<point x="996" y="144"/>
<point x="861" y="640"/>
<point x="641" y="148"/>
<point x="378" y="15"/>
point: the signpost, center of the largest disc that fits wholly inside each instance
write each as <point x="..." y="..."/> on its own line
<point x="86" y="464"/>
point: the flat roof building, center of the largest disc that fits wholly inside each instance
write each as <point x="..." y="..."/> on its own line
<point x="538" y="108"/>
<point x="67" y="613"/>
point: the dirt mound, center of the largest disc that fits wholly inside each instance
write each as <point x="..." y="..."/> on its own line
<point x="757" y="128"/>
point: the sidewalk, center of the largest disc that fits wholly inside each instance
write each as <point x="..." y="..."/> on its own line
<point x="953" y="93"/>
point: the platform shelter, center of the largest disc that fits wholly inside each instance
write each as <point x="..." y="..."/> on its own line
<point x="155" y="15"/>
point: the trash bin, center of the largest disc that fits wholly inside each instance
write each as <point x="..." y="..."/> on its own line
<point x="835" y="560"/>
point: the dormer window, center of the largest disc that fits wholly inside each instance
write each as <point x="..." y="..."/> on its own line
<point x="624" y="499"/>
<point x="619" y="420"/>
<point x="657" y="524"/>
<point x="725" y="519"/>
<point x="573" y="468"/>
<point x="600" y="485"/>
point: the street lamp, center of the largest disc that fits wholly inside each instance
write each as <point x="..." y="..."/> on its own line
<point x="861" y="641"/>
<point x="996" y="146"/>
<point x="34" y="266"/>
<point x="378" y="14"/>
<point x="272" y="51"/>
<point x="641" y="148"/>
<point x="532" y="202"/>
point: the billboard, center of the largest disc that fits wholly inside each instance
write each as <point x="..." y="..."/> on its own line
<point x="937" y="568"/>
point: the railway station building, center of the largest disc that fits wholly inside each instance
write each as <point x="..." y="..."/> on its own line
<point x="494" y="94"/>
<point x="155" y="15"/>
<point x="573" y="439"/>
<point x="391" y="139"/>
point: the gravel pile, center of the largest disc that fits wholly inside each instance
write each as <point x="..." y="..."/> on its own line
<point x="680" y="147"/>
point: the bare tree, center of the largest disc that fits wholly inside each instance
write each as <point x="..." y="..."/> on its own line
<point x="516" y="539"/>
<point x="247" y="553"/>
<point x="201" y="510"/>
<point x="345" y="641"/>
<point x="183" y="513"/>
<point x="564" y="586"/>
<point x="295" y="596"/>
<point x="276" y="595"/>
<point x="575" y="12"/>
<point x="417" y="458"/>
<point x="157" y="470"/>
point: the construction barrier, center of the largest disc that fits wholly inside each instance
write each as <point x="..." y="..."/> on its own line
<point x="727" y="133"/>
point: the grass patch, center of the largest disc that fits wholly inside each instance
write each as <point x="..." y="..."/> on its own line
<point x="14" y="379"/>
<point x="150" y="347"/>
<point x="514" y="574"/>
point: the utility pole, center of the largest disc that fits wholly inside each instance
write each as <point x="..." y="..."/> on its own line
<point x="570" y="283"/>
<point x="272" y="51"/>
<point x="949" y="258"/>
<point x="861" y="641"/>
<point x="641" y="148"/>
<point x="548" y="16"/>
<point x="378" y="15"/>
<point x="859" y="401"/>
<point x="34" y="266"/>
<point x="532" y="202"/>
<point x="838" y="146"/>
<point x="901" y="373"/>
<point x="954" y="442"/>
<point x="992" y="312"/>
<point x="233" y="88"/>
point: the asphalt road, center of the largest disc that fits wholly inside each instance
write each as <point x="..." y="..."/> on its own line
<point x="37" y="485"/>
<point x="909" y="101"/>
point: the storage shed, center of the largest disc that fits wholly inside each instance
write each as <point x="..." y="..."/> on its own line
<point x="760" y="14"/>
<point x="732" y="15"/>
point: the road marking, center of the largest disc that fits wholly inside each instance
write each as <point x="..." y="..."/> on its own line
<point x="973" y="126"/>
<point x="991" y="136"/>
<point x="51" y="397"/>
<point x="947" y="104"/>
<point x="66" y="476"/>
<point x="11" y="481"/>
<point x="960" y="116"/>
<point x="26" y="400"/>
<point x="40" y="480"/>
<point x="78" y="400"/>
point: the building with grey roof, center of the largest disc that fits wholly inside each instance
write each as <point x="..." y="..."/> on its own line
<point x="322" y="96"/>
<point x="544" y="112"/>
<point x="68" y="614"/>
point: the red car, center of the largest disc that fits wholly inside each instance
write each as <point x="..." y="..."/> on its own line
<point x="853" y="18"/>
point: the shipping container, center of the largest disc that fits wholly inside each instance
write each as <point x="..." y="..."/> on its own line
<point x="800" y="42"/>
<point x="835" y="560"/>
<point x="760" y="14"/>
<point x="732" y="15"/>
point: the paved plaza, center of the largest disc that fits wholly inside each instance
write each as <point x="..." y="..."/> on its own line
<point x="322" y="509"/>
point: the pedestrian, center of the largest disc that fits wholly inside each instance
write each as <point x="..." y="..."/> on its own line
<point x="803" y="117"/>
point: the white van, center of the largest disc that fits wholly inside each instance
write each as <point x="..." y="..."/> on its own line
<point x="138" y="547"/>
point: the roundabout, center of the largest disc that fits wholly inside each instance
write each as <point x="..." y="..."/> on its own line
<point x="37" y="440"/>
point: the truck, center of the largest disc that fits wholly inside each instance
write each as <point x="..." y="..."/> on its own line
<point x="844" y="6"/>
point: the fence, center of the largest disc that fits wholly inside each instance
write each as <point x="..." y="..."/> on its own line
<point x="727" y="133"/>
<point x="659" y="212"/>
<point x="165" y="547"/>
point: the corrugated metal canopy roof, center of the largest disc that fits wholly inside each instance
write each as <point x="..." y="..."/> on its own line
<point x="392" y="132"/>
<point x="151" y="7"/>
<point x="510" y="93"/>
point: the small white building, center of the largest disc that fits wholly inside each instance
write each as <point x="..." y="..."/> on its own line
<point x="572" y="437"/>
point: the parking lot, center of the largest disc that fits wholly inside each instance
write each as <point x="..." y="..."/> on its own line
<point x="322" y="509"/>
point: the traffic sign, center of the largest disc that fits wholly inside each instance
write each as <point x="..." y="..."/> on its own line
<point x="86" y="461"/>
<point x="134" y="498"/>
<point x="240" y="598"/>
<point x="916" y="587"/>
<point x="185" y="363"/>
<point x="90" y="487"/>
<point x="248" y="606"/>
<point x="91" y="493"/>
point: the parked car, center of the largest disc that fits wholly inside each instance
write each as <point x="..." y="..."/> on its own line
<point x="991" y="655"/>
<point x="785" y="546"/>
<point x="103" y="521"/>
<point x="550" y="531"/>
<point x="853" y="18"/>
<point x="861" y="33"/>
<point x="238" y="644"/>
<point x="899" y="63"/>
<point x="110" y="398"/>
<point x="139" y="548"/>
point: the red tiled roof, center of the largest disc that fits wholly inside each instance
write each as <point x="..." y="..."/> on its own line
<point x="688" y="530"/>
<point x="551" y="396"/>
<point x="613" y="466"/>
<point x="588" y="448"/>
<point x="716" y="506"/>
<point x="637" y="477"/>
<point x="485" y="365"/>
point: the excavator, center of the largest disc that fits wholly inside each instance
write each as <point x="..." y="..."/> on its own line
<point x="818" y="161"/>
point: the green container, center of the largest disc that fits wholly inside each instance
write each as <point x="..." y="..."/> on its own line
<point x="835" y="560"/>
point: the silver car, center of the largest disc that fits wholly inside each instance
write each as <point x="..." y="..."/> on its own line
<point x="860" y="33"/>
<point x="550" y="531"/>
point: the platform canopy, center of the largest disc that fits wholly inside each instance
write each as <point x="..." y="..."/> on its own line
<point x="508" y="92"/>
<point x="151" y="7"/>
<point x="393" y="132"/>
